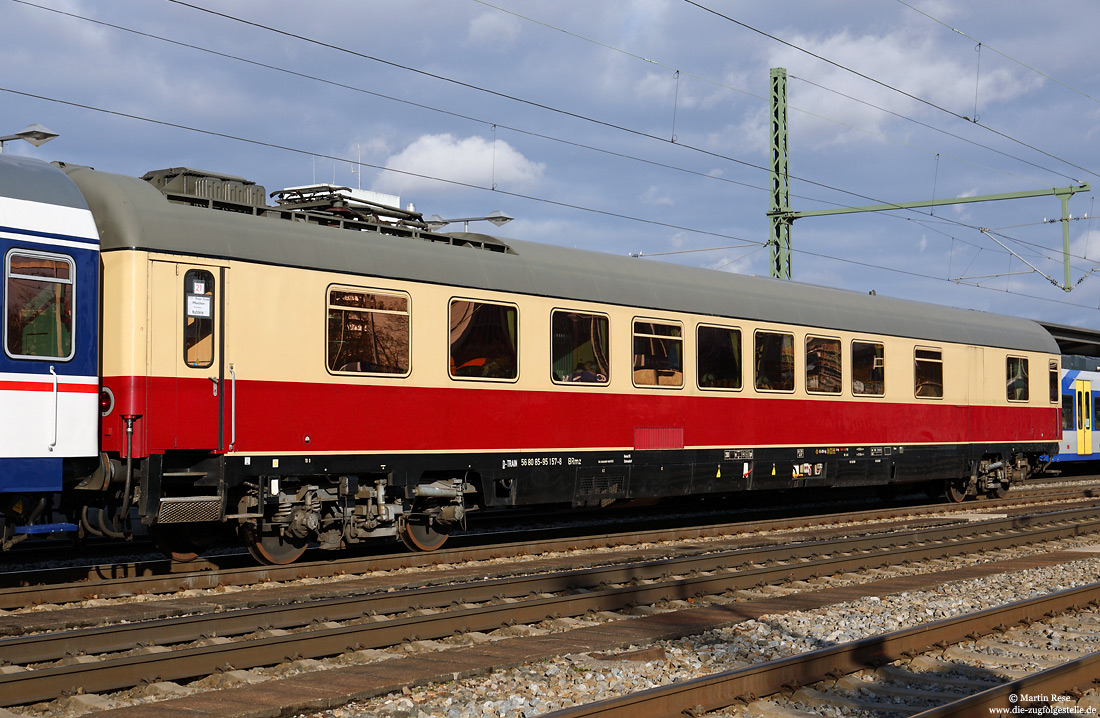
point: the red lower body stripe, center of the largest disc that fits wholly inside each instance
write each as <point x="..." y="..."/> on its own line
<point x="288" y="417"/>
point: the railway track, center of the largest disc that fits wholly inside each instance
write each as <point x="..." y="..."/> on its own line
<point x="907" y="672"/>
<point x="121" y="656"/>
<point x="94" y="560"/>
<point x="76" y="583"/>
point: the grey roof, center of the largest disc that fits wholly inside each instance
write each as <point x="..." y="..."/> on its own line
<point x="37" y="181"/>
<point x="131" y="213"/>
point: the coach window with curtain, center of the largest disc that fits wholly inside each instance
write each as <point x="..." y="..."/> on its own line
<point x="774" y="361"/>
<point x="719" y="357"/>
<point x="579" y="347"/>
<point x="368" y="332"/>
<point x="483" y="340"/>
<point x="824" y="371"/>
<point x="658" y="354"/>
<point x="868" y="368"/>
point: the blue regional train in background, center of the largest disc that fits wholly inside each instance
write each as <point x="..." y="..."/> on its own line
<point x="1080" y="412"/>
<point x="1079" y="385"/>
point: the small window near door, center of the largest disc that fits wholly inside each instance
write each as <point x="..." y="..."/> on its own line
<point x="928" y="373"/>
<point x="1054" y="382"/>
<point x="198" y="318"/>
<point x="1016" y="379"/>
<point x="1067" y="412"/>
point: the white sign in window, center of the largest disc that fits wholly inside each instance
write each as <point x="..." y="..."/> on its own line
<point x="199" y="305"/>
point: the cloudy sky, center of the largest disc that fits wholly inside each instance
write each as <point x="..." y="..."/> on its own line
<point x="624" y="126"/>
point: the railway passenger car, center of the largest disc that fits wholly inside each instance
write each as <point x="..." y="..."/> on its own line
<point x="329" y="372"/>
<point x="49" y="378"/>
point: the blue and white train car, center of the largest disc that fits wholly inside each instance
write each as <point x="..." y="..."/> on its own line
<point x="1080" y="409"/>
<point x="49" y="374"/>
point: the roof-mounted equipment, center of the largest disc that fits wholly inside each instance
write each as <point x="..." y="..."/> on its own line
<point x="209" y="189"/>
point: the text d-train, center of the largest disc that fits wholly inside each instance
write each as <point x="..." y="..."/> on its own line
<point x="329" y="372"/>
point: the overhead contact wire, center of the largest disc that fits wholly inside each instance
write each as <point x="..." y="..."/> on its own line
<point x="503" y="95"/>
<point x="792" y="107"/>
<point x="880" y="83"/>
<point x="297" y="150"/>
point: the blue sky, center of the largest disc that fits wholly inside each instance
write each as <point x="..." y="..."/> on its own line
<point x="624" y="127"/>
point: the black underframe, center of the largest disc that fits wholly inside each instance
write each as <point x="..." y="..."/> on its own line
<point x="585" y="478"/>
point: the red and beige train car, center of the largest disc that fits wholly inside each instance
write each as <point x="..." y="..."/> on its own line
<point x="317" y="373"/>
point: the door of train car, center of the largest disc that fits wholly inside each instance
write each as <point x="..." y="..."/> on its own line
<point x="187" y="370"/>
<point x="1083" y="410"/>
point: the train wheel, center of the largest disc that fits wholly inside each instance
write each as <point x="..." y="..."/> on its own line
<point x="272" y="549"/>
<point x="956" y="491"/>
<point x="183" y="542"/>
<point x="998" y="491"/>
<point x="420" y="536"/>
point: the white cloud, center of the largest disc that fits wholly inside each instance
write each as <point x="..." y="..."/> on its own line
<point x="1086" y="244"/>
<point x="655" y="195"/>
<point x="738" y="262"/>
<point x="1092" y="122"/>
<point x="909" y="61"/>
<point x="494" y="30"/>
<point x="469" y="160"/>
<point x="753" y="134"/>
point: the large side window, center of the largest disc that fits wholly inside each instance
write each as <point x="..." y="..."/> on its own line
<point x="868" y="368"/>
<point x="578" y="347"/>
<point x="38" y="299"/>
<point x="368" y="331"/>
<point x="1053" y="382"/>
<point x="483" y="340"/>
<point x="823" y="367"/>
<point x="658" y="354"/>
<point x="928" y="373"/>
<point x="719" y="357"/>
<point x="1016" y="379"/>
<point x="198" y="318"/>
<point x="774" y="361"/>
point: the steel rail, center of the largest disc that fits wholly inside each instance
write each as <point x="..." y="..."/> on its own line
<point x="818" y="558"/>
<point x="25" y="588"/>
<point x="840" y="555"/>
<point x="710" y="693"/>
<point x="11" y="574"/>
<point x="1062" y="680"/>
<point x="123" y="672"/>
<point x="872" y="554"/>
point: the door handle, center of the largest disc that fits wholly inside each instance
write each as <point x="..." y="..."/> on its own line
<point x="233" y="410"/>
<point x="53" y="444"/>
<point x="216" y="383"/>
